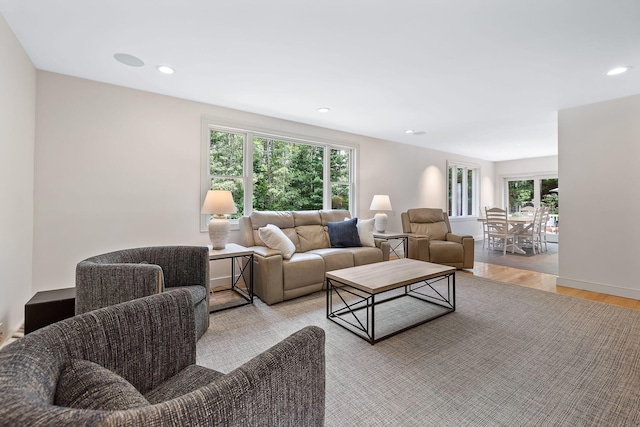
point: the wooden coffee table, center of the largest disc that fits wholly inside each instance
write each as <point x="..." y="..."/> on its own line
<point x="353" y="295"/>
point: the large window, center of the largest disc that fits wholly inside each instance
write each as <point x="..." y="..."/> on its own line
<point x="278" y="173"/>
<point x="226" y="165"/>
<point x="462" y="189"/>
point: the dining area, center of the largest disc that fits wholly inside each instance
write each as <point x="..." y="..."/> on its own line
<point x="514" y="232"/>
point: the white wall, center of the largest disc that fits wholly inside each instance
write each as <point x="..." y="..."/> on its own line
<point x="17" y="128"/>
<point x="598" y="151"/>
<point x="117" y="167"/>
<point x="415" y="177"/>
<point x="522" y="167"/>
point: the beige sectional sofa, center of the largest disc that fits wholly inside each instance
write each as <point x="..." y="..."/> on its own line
<point x="278" y="279"/>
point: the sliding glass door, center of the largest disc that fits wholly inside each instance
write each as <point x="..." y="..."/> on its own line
<point x="535" y="191"/>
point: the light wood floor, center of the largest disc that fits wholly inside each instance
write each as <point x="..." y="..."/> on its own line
<point x="545" y="282"/>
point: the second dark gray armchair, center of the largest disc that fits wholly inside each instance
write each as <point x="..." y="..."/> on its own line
<point x="124" y="275"/>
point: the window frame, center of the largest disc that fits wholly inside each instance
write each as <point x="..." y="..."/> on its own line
<point x="251" y="131"/>
<point x="475" y="197"/>
<point x="535" y="177"/>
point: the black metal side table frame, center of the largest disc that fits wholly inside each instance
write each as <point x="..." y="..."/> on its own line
<point x="394" y="247"/>
<point x="346" y="317"/>
<point x="241" y="267"/>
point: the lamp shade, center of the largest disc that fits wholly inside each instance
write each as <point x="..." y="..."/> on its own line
<point x="380" y="202"/>
<point x="218" y="202"/>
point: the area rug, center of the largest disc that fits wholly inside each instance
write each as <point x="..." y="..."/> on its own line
<point x="508" y="356"/>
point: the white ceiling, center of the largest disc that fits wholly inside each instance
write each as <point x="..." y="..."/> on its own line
<point x="480" y="78"/>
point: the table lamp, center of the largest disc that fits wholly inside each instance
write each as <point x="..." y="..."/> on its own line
<point x="218" y="203"/>
<point x="380" y="203"/>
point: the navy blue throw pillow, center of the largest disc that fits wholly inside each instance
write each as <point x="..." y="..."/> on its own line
<point x="344" y="234"/>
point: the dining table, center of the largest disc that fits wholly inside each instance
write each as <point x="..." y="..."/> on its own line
<point x="517" y="222"/>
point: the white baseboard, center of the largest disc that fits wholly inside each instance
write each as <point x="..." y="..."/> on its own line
<point x="599" y="287"/>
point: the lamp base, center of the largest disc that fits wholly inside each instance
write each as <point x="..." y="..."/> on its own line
<point x="380" y="222"/>
<point x="219" y="229"/>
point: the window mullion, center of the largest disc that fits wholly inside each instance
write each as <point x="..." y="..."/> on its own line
<point x="248" y="173"/>
<point x="326" y="178"/>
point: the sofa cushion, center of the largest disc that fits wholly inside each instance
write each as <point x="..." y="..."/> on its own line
<point x="306" y="218"/>
<point x="445" y="252"/>
<point x="281" y="219"/>
<point x="275" y="238"/>
<point x="334" y="215"/>
<point x="335" y="258"/>
<point x="303" y="269"/>
<point x="86" y="385"/>
<point x="425" y="215"/>
<point x="435" y="230"/>
<point x="344" y="234"/>
<point x="365" y="255"/>
<point x="312" y="237"/>
<point x="189" y="379"/>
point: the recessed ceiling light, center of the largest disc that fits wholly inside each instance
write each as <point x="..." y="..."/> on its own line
<point x="408" y="131"/>
<point x="129" y="60"/>
<point x="323" y="110"/>
<point x="165" y="69"/>
<point x="618" y="70"/>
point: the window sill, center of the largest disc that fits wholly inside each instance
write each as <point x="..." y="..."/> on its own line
<point x="463" y="218"/>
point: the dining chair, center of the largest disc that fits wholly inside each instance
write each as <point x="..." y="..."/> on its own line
<point x="541" y="229"/>
<point x="485" y="229"/>
<point x="530" y="231"/>
<point x="498" y="229"/>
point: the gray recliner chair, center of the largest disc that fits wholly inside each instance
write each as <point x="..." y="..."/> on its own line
<point x="133" y="364"/>
<point x="124" y="275"/>
<point x="431" y="240"/>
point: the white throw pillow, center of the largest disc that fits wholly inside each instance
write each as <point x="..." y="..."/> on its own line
<point x="365" y="231"/>
<point x="275" y="238"/>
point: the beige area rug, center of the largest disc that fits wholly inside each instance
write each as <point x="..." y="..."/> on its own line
<point x="508" y="356"/>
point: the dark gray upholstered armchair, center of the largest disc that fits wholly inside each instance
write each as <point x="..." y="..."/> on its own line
<point x="134" y="364"/>
<point x="431" y="239"/>
<point x="120" y="276"/>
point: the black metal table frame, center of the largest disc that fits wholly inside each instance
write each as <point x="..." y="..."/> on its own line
<point x="367" y="301"/>
<point x="235" y="279"/>
<point x="393" y="248"/>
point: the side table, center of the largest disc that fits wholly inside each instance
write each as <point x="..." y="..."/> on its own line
<point x="240" y="292"/>
<point x="48" y="307"/>
<point x="404" y="241"/>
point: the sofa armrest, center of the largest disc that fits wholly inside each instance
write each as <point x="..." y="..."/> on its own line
<point x="419" y="247"/>
<point x="102" y="285"/>
<point x="267" y="274"/>
<point x="469" y="247"/>
<point x="384" y="246"/>
<point x="285" y="385"/>
<point x="265" y="252"/>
